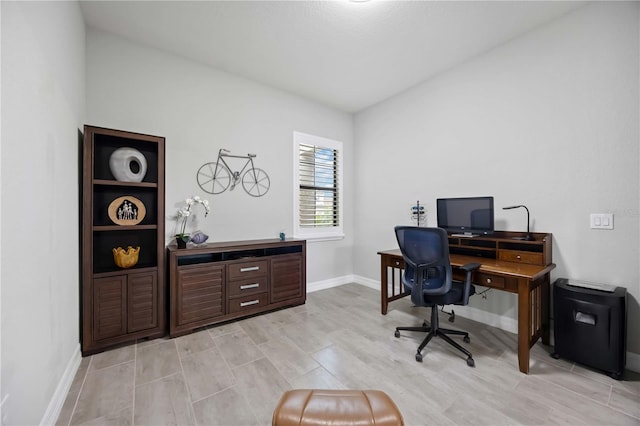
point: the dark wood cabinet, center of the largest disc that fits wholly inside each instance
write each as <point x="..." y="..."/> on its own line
<point x="199" y="294"/>
<point x="219" y="282"/>
<point x="285" y="278"/>
<point x="120" y="305"/>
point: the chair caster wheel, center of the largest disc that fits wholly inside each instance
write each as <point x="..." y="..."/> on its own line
<point x="466" y="339"/>
<point x="397" y="333"/>
<point x="471" y="362"/>
<point x="419" y="357"/>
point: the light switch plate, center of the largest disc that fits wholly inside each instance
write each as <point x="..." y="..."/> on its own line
<point x="601" y="220"/>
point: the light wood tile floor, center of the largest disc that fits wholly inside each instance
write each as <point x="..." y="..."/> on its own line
<point x="234" y="374"/>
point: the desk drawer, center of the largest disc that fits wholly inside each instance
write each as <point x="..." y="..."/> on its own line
<point x="520" y="257"/>
<point x="393" y="263"/>
<point x="248" y="303"/>
<point x="247" y="286"/>
<point x="488" y="280"/>
<point x="251" y="269"/>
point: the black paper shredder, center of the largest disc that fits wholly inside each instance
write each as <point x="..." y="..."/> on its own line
<point x="590" y="324"/>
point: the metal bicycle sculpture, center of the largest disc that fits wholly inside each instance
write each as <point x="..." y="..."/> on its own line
<point x="216" y="177"/>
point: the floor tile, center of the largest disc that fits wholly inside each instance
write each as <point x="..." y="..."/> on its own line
<point x="262" y="385"/>
<point x="105" y="392"/>
<point x="237" y="348"/>
<point x="290" y="360"/>
<point x="163" y="401"/>
<point x="113" y="357"/>
<point x="193" y="343"/>
<point x="206" y="373"/>
<point x="156" y="361"/>
<point x="225" y="408"/>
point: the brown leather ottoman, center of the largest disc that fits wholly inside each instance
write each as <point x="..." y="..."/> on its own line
<point x="336" y="407"/>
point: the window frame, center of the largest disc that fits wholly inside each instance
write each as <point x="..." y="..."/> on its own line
<point x="317" y="233"/>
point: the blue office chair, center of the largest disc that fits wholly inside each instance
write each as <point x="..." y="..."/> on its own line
<point x="428" y="275"/>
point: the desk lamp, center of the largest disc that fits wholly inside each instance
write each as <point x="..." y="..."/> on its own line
<point x="528" y="236"/>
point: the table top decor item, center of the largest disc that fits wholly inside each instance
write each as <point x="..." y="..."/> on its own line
<point x="127" y="210"/>
<point x="182" y="237"/>
<point x="126" y="258"/>
<point x="128" y="165"/>
<point x="199" y="237"/>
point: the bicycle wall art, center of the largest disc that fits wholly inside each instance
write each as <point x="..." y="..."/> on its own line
<point x="216" y="177"/>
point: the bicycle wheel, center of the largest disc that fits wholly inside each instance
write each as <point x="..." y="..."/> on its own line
<point x="256" y="182"/>
<point x="212" y="180"/>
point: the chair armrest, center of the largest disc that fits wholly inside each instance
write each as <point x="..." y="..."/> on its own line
<point x="468" y="268"/>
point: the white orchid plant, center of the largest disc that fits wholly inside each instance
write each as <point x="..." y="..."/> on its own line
<point x="185" y="212"/>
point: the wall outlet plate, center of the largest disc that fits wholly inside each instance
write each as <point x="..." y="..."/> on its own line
<point x="601" y="220"/>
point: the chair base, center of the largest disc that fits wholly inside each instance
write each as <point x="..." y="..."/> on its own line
<point x="435" y="330"/>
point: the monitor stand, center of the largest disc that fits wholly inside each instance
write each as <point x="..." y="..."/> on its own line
<point x="465" y="235"/>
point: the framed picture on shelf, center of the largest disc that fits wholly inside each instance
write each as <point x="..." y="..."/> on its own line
<point x="127" y="210"/>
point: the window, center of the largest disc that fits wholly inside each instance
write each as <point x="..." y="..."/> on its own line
<point x="317" y="187"/>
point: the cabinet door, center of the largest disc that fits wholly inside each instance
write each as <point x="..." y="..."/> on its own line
<point x="200" y="293"/>
<point x="286" y="277"/>
<point x="142" y="291"/>
<point x="109" y="307"/>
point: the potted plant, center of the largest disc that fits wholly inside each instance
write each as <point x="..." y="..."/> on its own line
<point x="183" y="214"/>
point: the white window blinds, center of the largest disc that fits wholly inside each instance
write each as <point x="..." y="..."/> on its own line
<point x="318" y="171"/>
<point x="317" y="187"/>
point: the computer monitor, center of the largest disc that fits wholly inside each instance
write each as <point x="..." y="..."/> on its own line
<point x="467" y="216"/>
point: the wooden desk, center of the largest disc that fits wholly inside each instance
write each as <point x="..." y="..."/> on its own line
<point x="530" y="282"/>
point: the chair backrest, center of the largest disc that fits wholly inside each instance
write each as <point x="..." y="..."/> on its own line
<point x="426" y="256"/>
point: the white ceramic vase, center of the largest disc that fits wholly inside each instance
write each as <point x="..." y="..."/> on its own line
<point x="128" y="165"/>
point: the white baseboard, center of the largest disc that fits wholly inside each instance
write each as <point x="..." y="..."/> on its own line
<point x="491" y="319"/>
<point x="57" y="400"/>
<point x="333" y="282"/>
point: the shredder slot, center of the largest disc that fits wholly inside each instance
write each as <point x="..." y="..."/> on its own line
<point x="585" y="318"/>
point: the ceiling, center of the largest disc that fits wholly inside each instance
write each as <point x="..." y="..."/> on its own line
<point x="344" y="54"/>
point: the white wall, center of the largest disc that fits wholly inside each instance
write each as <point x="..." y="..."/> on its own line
<point x="42" y="110"/>
<point x="549" y="120"/>
<point x="200" y="110"/>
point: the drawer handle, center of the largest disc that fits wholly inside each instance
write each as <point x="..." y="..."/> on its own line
<point x="488" y="280"/>
<point x="518" y="257"/>
<point x="248" y="286"/>
<point x="249" y="303"/>
<point x="250" y="268"/>
<point x="397" y="263"/>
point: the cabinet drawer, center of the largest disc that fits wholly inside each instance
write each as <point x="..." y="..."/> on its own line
<point x="247" y="303"/>
<point x="487" y="280"/>
<point x="520" y="257"/>
<point x="255" y="268"/>
<point x="247" y="286"/>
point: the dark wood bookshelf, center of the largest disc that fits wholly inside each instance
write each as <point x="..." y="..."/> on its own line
<point x="121" y="305"/>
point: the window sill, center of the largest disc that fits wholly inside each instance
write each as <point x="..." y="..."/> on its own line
<point x="318" y="238"/>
